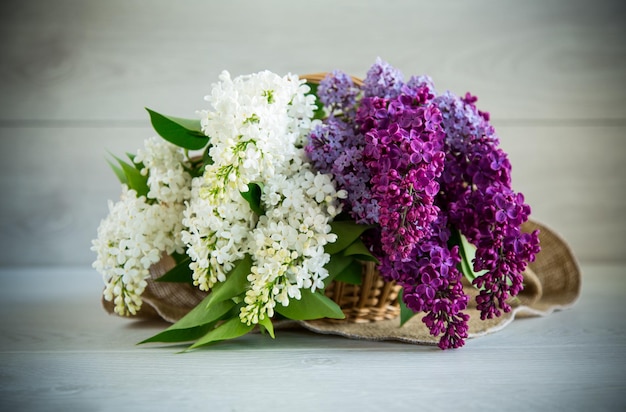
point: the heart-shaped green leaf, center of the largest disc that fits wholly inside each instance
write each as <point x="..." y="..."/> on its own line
<point x="359" y="251"/>
<point x="352" y="274"/>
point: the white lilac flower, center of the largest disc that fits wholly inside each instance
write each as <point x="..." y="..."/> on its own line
<point x="164" y="164"/>
<point x="288" y="242"/>
<point x="255" y="125"/>
<point x="139" y="230"/>
<point x="131" y="239"/>
<point x="216" y="233"/>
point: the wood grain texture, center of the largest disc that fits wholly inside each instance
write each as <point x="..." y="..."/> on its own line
<point x="60" y="351"/>
<point x="76" y="76"/>
<point x="106" y="60"/>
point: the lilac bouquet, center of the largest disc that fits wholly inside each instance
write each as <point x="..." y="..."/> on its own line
<point x="283" y="186"/>
<point x="427" y="173"/>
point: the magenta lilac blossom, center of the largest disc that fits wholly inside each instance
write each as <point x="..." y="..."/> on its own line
<point x="403" y="152"/>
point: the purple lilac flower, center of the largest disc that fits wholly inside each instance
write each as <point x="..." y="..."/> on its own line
<point x="403" y="151"/>
<point x="334" y="147"/>
<point x="326" y="143"/>
<point x="479" y="202"/>
<point x="383" y="80"/>
<point x="491" y="220"/>
<point x="462" y="122"/>
<point x="432" y="284"/>
<point x="417" y="82"/>
<point x="338" y="92"/>
<point x="352" y="175"/>
<point x="418" y="165"/>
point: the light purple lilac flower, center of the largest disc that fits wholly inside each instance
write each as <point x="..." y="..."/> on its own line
<point x="326" y="143"/>
<point x="337" y="91"/>
<point x="383" y="80"/>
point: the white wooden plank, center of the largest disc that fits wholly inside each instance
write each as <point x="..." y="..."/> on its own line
<point x="573" y="178"/>
<point x="55" y="185"/>
<point x="67" y="357"/>
<point x="285" y="381"/>
<point x="106" y="60"/>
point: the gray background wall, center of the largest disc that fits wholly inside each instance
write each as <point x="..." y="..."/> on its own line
<point x="75" y="76"/>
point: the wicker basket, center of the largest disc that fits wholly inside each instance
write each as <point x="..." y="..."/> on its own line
<point x="315" y="78"/>
<point x="373" y="300"/>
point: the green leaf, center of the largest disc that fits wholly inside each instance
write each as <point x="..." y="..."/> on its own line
<point x="347" y="232"/>
<point x="267" y="324"/>
<point x="119" y="173"/>
<point x="231" y="329"/>
<point x="352" y="274"/>
<point x="312" y="305"/>
<point x="181" y="132"/>
<point x="313" y="87"/>
<point x="131" y="157"/>
<point x="206" y="159"/>
<point x="179" y="257"/>
<point x="253" y="197"/>
<point x="134" y="179"/>
<point x="189" y="124"/>
<point x="466" y="269"/>
<point x="468" y="253"/>
<point x="235" y="283"/>
<point x="194" y="324"/>
<point x="338" y="262"/>
<point x="179" y="273"/>
<point x="319" y="112"/>
<point x="180" y="335"/>
<point x="358" y="250"/>
<point x="405" y="312"/>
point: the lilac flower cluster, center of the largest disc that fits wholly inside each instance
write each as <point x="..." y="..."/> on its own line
<point x="476" y="184"/>
<point x="337" y="91"/>
<point x="383" y="80"/>
<point x="417" y="166"/>
<point x="403" y="152"/>
<point x="334" y="147"/>
<point x="387" y="156"/>
<point x="432" y="284"/>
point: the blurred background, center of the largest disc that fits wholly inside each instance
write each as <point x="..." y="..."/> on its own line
<point x="75" y="77"/>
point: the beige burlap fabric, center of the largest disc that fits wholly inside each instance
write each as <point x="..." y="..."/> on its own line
<point x="551" y="283"/>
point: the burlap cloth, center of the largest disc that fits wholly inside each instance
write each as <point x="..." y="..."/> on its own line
<point x="552" y="282"/>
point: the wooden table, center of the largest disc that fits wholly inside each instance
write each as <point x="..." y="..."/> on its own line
<point x="59" y="351"/>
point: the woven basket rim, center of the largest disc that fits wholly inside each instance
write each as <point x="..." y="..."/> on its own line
<point x="316" y="78"/>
